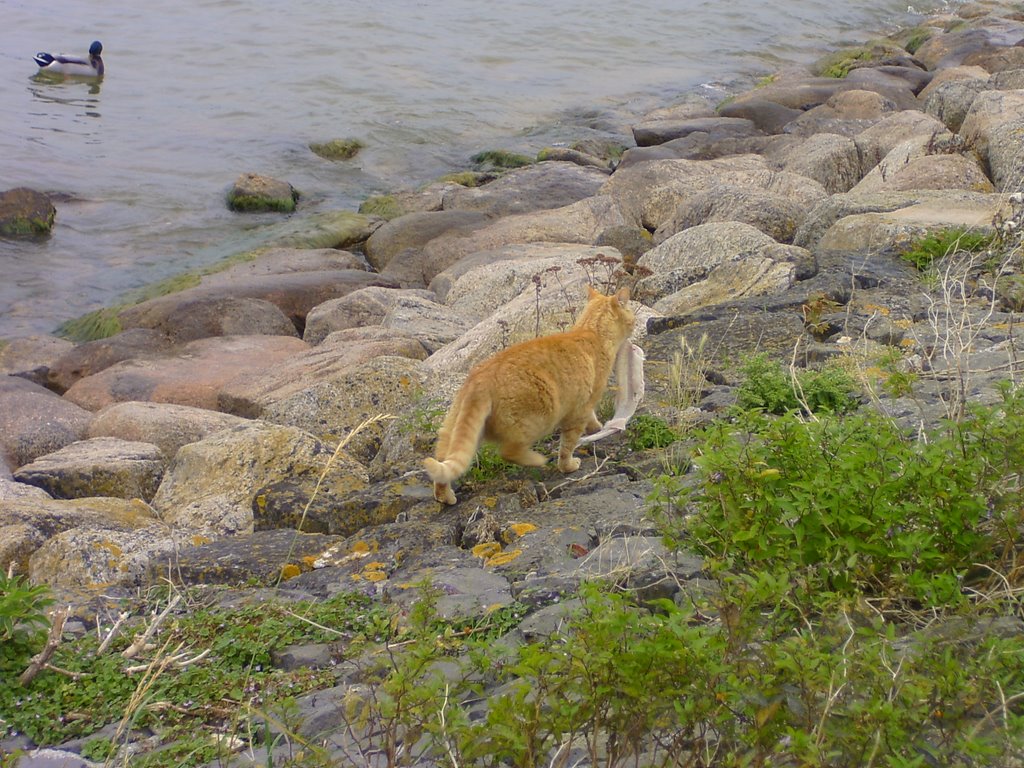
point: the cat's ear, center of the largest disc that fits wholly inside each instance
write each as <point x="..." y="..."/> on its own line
<point x="592" y="292"/>
<point x="623" y="296"/>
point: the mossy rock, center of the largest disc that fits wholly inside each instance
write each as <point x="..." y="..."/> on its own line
<point x="336" y="149"/>
<point x="500" y="159"/>
<point x="468" y="178"/>
<point x="912" y="39"/>
<point x="25" y="213"/>
<point x="253" y="193"/>
<point x="839" y="64"/>
<point x="385" y="206"/>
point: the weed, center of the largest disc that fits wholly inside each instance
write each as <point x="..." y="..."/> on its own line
<point x="768" y="387"/>
<point x="23" y="621"/>
<point x="645" y="432"/>
<point x="928" y="250"/>
<point x="501" y="159"/>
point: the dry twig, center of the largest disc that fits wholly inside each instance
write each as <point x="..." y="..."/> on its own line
<point x="41" y="660"/>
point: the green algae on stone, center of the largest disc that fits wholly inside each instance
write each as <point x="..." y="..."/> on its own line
<point x="98" y="324"/>
<point x="336" y="149"/>
<point x="254" y="193"/>
<point x="839" y="64"/>
<point x="25" y="213"/>
<point x="467" y="178"/>
<point x="501" y="159"/>
<point x="384" y="206"/>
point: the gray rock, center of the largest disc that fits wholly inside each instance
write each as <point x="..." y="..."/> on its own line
<point x="367" y="306"/>
<point x="653" y="132"/>
<point x="433" y="325"/>
<point x="282" y="261"/>
<point x="536" y="187"/>
<point x="252" y="192"/>
<point x="768" y="116"/>
<point x="414" y="230"/>
<point x="94" y="356"/>
<point x="101" y="466"/>
<point x="204" y="316"/>
<point x="830" y="159"/>
<point x="209" y="518"/>
<point x="950" y="101"/>
<point x="988" y="111"/>
<point x="776" y="216"/>
<point x="1005" y="159"/>
<point x="166" y="425"/>
<point x="31" y="357"/>
<point x="25" y="213"/>
<point x="880" y="139"/>
<point x="34" y="421"/>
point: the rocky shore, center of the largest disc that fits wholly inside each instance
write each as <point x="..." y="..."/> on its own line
<point x="266" y="425"/>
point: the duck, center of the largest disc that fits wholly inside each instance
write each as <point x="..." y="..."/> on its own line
<point x="73" y="65"/>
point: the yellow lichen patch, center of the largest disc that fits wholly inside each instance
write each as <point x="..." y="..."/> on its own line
<point x="309" y="561"/>
<point x="491" y="502"/>
<point x="290" y="571"/>
<point x="110" y="546"/>
<point x="884" y="311"/>
<point x="375" y="575"/>
<point x="198" y="539"/>
<point x="364" y="547"/>
<point x="503" y="557"/>
<point x="516" y="530"/>
<point x="486" y="550"/>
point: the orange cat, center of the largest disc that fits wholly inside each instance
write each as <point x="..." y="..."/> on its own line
<point x="523" y="393"/>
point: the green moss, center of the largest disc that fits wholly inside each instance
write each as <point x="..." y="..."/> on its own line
<point x="337" y="149"/>
<point x="385" y="206"/>
<point x="839" y="63"/>
<point x="98" y="324"/>
<point x="164" y="287"/>
<point x="499" y="158"/>
<point x="926" y="251"/>
<point x="24" y="226"/>
<point x="466" y="178"/>
<point x="254" y="204"/>
<point x="765" y="81"/>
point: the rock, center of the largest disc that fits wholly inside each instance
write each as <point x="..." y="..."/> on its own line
<point x="166" y="425"/>
<point x="31" y="357"/>
<point x="1005" y="159"/>
<point x="847" y="113"/>
<point x="94" y="356"/>
<point x="272" y="470"/>
<point x="567" y="155"/>
<point x="35" y="421"/>
<point x="535" y="187"/>
<point x="649" y="193"/>
<point x="367" y="306"/>
<point x="262" y="557"/>
<point x="415" y="230"/>
<point x="629" y="240"/>
<point x="776" y="216"/>
<point x="293" y="293"/>
<point x="331" y="229"/>
<point x="990" y="110"/>
<point x="28" y="522"/>
<point x="998" y="58"/>
<point x="252" y="192"/>
<point x="332" y="410"/>
<point x="926" y="171"/>
<point x="101" y="466"/>
<point x="831" y="160"/>
<point x="768" y="116"/>
<point x="712" y="263"/>
<point x="92" y="560"/>
<point x="1007" y="80"/>
<point x="336" y="149"/>
<point x="953" y="47"/>
<point x="640" y="564"/>
<point x="25" y="213"/>
<point x="10" y="490"/>
<point x="193" y="377"/>
<point x="250" y="396"/>
<point x="880" y="139"/>
<point x="898" y="229"/>
<point x="907" y="74"/>
<point x="949" y="74"/>
<point x="282" y="261"/>
<point x="433" y="325"/>
<point x="206" y="519"/>
<point x="951" y="101"/>
<point x="201" y="317"/>
<point x="653" y="132"/>
<point x="580" y="222"/>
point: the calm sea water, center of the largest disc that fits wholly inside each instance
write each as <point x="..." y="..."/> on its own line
<point x="198" y="91"/>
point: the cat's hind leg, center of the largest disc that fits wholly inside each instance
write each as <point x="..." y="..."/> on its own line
<point x="444" y="494"/>
<point x="521" y="453"/>
<point x="570" y="436"/>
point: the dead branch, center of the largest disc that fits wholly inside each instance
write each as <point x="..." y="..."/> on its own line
<point x="39" y="661"/>
<point x="142" y="641"/>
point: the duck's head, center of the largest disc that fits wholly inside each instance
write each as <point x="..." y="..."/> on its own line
<point x="96" y="48"/>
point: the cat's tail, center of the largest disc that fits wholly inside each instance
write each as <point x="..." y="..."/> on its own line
<point x="465" y="439"/>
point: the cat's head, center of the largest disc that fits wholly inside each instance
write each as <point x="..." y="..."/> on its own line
<point x="611" y="313"/>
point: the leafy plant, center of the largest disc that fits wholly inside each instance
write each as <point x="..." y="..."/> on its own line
<point x="768" y="387"/>
<point x="929" y="249"/>
<point x="23" y="622"/>
<point x="645" y="432"/>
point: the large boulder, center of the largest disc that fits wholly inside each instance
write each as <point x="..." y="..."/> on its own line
<point x="828" y="158"/>
<point x="414" y="230"/>
<point x="339" y="353"/>
<point x="949" y="74"/>
<point x="32" y="357"/>
<point x="284" y="476"/>
<point x="880" y="139"/>
<point x="920" y="170"/>
<point x="433" y="325"/>
<point x="280" y="260"/>
<point x="367" y="306"/>
<point x="25" y="213"/>
<point x="294" y="293"/>
<point x="34" y="421"/>
<point x="847" y="113"/>
<point x="193" y="377"/>
<point x="951" y="101"/>
<point x="252" y="192"/>
<point x="714" y="262"/>
<point x="988" y="111"/>
<point x="92" y="357"/>
<point x="581" y="222"/>
<point x="653" y="132"/>
<point x="166" y="425"/>
<point x="333" y="410"/>
<point x="776" y="216"/>
<point x="649" y="193"/>
<point x="101" y="466"/>
<point x="1005" y="158"/>
<point x="535" y="187"/>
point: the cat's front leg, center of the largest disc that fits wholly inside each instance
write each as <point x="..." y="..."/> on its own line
<point x="566" y="461"/>
<point x="593" y="425"/>
<point x="444" y="494"/>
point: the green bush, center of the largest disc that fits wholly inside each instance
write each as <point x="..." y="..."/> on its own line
<point x="929" y="249"/>
<point x="768" y="387"/>
<point x="852" y="505"/>
<point x="23" y="622"/>
<point x="645" y="432"/>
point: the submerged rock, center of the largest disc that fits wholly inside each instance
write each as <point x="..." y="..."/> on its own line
<point x="254" y="193"/>
<point x="25" y="213"/>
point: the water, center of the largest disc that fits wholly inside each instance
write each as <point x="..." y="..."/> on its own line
<point x="199" y="91"/>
